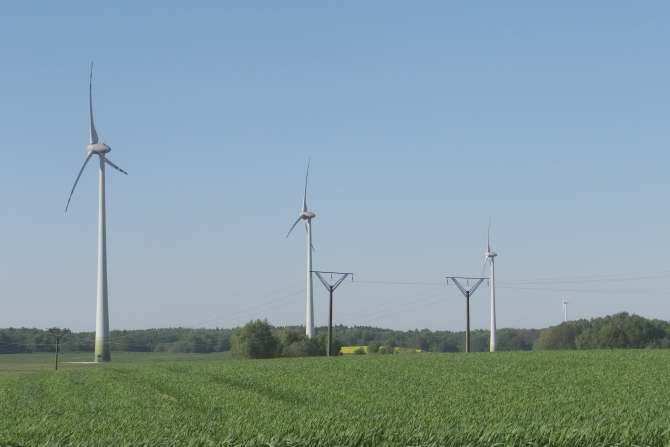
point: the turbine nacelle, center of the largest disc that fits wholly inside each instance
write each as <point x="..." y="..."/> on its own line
<point x="306" y="215"/>
<point x="98" y="148"/>
<point x="490" y="254"/>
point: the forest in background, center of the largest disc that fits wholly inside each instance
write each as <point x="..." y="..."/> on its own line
<point x="621" y="330"/>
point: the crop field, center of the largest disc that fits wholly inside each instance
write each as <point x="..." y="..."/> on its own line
<point x="536" y="398"/>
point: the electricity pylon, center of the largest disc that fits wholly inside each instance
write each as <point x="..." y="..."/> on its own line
<point x="467" y="293"/>
<point x="58" y="334"/>
<point x="339" y="278"/>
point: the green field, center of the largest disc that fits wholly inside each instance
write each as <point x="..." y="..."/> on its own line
<point x="535" y="398"/>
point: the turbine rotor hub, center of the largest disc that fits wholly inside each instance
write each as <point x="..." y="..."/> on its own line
<point x="98" y="148"/>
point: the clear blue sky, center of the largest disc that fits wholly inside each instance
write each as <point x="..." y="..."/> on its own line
<point x="422" y="120"/>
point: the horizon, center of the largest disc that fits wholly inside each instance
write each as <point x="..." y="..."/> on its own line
<point x="335" y="326"/>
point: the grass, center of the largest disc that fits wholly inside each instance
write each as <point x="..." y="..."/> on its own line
<point x="539" y="398"/>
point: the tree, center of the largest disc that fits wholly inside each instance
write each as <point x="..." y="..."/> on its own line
<point x="612" y="332"/>
<point x="622" y="331"/>
<point x="255" y="341"/>
<point x="558" y="337"/>
<point x="296" y="344"/>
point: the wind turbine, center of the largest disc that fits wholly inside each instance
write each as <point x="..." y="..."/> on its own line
<point x="102" y="339"/>
<point x="489" y="256"/>
<point x="307" y="216"/>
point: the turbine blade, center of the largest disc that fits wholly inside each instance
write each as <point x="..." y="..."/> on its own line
<point x="114" y="166"/>
<point x="310" y="244"/>
<point x="306" y="230"/>
<point x="486" y="257"/>
<point x="304" y="199"/>
<point x="94" y="134"/>
<point x="88" y="157"/>
<point x="488" y="238"/>
<point x="293" y="226"/>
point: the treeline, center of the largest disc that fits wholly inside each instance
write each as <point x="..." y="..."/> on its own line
<point x="290" y="340"/>
<point x="616" y="331"/>
<point x="612" y="332"/>
<point x="437" y="341"/>
<point x="18" y="340"/>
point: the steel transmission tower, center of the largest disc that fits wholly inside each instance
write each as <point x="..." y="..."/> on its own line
<point x="330" y="286"/>
<point x="467" y="292"/>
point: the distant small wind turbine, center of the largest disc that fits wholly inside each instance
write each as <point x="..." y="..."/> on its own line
<point x="489" y="256"/>
<point x="307" y="216"/>
<point x="565" y="310"/>
<point x="102" y="339"/>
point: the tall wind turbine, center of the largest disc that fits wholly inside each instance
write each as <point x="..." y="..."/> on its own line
<point x="490" y="256"/>
<point x="307" y="216"/>
<point x="102" y="339"/>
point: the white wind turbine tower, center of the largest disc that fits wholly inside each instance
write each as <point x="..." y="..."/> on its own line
<point x="490" y="256"/>
<point x="307" y="216"/>
<point x="102" y="339"/>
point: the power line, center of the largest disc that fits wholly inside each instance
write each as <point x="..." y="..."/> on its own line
<point x="589" y="290"/>
<point x="578" y="278"/>
<point x="271" y="301"/>
<point x="390" y="312"/>
<point x="606" y="277"/>
<point x="402" y="283"/>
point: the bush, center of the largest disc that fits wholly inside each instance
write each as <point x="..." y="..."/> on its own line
<point x="386" y="350"/>
<point x="298" y="345"/>
<point x="255" y="341"/>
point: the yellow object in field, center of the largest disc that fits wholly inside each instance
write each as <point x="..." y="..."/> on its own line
<point x="344" y="350"/>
